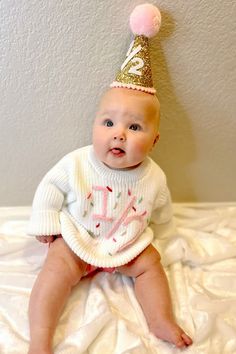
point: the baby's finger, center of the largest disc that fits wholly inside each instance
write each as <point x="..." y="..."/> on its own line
<point x="45" y="239"/>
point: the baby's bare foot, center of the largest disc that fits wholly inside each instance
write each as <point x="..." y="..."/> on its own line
<point x="171" y="332"/>
<point x="39" y="351"/>
<point x="39" y="348"/>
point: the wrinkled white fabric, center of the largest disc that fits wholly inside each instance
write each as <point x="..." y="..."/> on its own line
<point x="102" y="314"/>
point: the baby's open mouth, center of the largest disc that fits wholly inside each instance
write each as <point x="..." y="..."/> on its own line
<point x="117" y="151"/>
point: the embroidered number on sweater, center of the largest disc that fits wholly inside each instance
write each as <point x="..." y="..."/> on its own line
<point x="124" y="218"/>
<point x="103" y="216"/>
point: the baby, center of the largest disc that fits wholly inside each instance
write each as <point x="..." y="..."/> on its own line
<point x="95" y="209"/>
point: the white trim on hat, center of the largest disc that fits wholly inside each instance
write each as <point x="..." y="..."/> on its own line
<point x="133" y="87"/>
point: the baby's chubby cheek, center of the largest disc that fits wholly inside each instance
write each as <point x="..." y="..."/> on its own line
<point x="98" y="139"/>
<point x="141" y="148"/>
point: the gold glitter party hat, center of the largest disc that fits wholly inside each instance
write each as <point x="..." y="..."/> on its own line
<point x="135" y="72"/>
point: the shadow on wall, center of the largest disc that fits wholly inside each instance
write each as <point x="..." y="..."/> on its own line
<point x="176" y="151"/>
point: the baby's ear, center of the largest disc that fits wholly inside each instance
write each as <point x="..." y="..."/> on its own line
<point x="156" y="139"/>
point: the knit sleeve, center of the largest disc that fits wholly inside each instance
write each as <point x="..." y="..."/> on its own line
<point x="48" y="201"/>
<point x="162" y="211"/>
<point x="162" y="214"/>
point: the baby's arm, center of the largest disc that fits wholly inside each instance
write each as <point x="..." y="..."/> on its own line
<point x="162" y="213"/>
<point x="48" y="202"/>
<point x="162" y="222"/>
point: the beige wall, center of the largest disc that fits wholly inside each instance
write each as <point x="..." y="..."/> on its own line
<point x="58" y="56"/>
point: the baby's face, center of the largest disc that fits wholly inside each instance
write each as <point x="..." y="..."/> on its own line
<point x="126" y="127"/>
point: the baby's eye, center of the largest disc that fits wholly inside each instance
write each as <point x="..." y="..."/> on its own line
<point x="108" y="123"/>
<point x="135" y="127"/>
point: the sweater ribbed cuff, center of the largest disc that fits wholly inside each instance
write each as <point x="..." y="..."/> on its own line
<point x="44" y="223"/>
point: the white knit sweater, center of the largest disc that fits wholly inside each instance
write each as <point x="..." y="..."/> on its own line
<point x="103" y="214"/>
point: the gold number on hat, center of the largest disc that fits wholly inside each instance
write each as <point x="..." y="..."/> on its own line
<point x="130" y="56"/>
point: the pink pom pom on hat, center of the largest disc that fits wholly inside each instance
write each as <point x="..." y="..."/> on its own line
<point x="135" y="72"/>
<point x="145" y="20"/>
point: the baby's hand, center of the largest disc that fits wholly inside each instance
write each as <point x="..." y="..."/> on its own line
<point x="45" y="239"/>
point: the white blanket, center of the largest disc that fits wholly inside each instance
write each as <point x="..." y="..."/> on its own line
<point x="102" y="315"/>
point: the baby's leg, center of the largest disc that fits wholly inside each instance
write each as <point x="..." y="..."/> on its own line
<point x="61" y="271"/>
<point x="152" y="291"/>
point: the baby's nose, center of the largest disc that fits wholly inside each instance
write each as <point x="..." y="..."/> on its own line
<point x="119" y="137"/>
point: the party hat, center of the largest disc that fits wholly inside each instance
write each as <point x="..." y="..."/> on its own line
<point x="135" y="72"/>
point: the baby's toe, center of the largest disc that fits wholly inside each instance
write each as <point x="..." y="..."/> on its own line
<point x="179" y="343"/>
<point x="182" y="340"/>
<point x="187" y="340"/>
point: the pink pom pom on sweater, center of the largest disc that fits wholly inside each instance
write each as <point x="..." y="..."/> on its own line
<point x="145" y="20"/>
